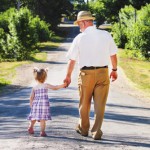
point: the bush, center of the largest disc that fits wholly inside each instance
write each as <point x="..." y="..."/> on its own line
<point x="134" y="54"/>
<point x="2" y="43"/>
<point x="120" y="29"/>
<point x="22" y="38"/>
<point x="139" y="38"/>
<point x="133" y="35"/>
<point x="20" y="32"/>
<point x="119" y="34"/>
<point x="42" y="29"/>
<point x="4" y="19"/>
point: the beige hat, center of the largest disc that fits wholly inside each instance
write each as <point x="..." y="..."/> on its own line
<point x="84" y="15"/>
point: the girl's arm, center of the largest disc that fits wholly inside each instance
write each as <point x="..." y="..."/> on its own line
<point x="31" y="97"/>
<point x="56" y="87"/>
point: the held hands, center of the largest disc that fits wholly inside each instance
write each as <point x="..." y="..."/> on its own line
<point x="113" y="75"/>
<point x="64" y="85"/>
<point x="67" y="81"/>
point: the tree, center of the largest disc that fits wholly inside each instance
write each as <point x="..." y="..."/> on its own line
<point x="49" y="10"/>
<point x="6" y="4"/>
<point x="112" y="7"/>
<point x="138" y="4"/>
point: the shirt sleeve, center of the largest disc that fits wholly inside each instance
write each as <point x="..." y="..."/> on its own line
<point x="73" y="51"/>
<point x="112" y="48"/>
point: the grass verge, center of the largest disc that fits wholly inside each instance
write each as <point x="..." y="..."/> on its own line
<point x="7" y="72"/>
<point x="137" y="71"/>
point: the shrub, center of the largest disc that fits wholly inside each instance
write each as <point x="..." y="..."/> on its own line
<point x="20" y="32"/>
<point x="2" y="43"/>
<point x="42" y="29"/>
<point x="134" y="54"/>
<point x="139" y="38"/>
<point x="4" y="19"/>
<point x="120" y="29"/>
<point x="23" y="36"/>
<point x="119" y="34"/>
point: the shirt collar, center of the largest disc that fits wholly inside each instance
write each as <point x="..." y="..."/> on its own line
<point x="90" y="28"/>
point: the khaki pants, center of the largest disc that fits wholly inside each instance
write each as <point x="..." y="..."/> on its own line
<point x="92" y="84"/>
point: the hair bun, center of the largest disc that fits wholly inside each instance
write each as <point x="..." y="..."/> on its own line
<point x="35" y="69"/>
<point x="46" y="69"/>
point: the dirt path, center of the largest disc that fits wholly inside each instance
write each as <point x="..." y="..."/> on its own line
<point x="127" y="119"/>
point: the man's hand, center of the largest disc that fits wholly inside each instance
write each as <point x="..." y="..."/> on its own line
<point x="71" y="64"/>
<point x="113" y="75"/>
<point x="67" y="80"/>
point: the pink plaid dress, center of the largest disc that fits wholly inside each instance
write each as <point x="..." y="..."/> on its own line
<point x="40" y="107"/>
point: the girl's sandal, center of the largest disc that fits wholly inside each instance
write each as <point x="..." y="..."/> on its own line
<point x="43" y="134"/>
<point x="30" y="130"/>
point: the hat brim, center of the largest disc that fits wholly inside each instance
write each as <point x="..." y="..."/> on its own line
<point x="82" y="19"/>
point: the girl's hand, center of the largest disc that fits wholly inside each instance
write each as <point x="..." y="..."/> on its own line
<point x="65" y="85"/>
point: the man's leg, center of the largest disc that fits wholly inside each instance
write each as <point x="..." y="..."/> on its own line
<point x="85" y="92"/>
<point x="100" y="98"/>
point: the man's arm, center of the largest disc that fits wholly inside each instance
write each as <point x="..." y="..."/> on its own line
<point x="70" y="68"/>
<point x="113" y="74"/>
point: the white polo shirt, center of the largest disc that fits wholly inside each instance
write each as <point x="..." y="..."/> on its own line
<point x="93" y="47"/>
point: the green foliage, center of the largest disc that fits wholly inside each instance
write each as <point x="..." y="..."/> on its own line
<point x="110" y="10"/>
<point x="20" y="32"/>
<point x="49" y="10"/>
<point x="127" y="15"/>
<point x="124" y="27"/>
<point x="97" y="7"/>
<point x="119" y="34"/>
<point x="6" y="4"/>
<point x="4" y="19"/>
<point x="139" y="38"/>
<point x="133" y="30"/>
<point x="22" y="38"/>
<point x="134" y="54"/>
<point x="2" y="43"/>
<point x="42" y="29"/>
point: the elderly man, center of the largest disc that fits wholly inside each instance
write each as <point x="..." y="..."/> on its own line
<point x="92" y="48"/>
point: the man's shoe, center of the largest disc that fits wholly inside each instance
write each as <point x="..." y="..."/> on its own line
<point x="81" y="132"/>
<point x="97" y="136"/>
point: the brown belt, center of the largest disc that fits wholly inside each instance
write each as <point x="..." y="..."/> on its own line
<point x="92" y="67"/>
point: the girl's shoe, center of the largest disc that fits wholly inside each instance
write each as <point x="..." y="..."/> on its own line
<point x="30" y="130"/>
<point x="43" y="134"/>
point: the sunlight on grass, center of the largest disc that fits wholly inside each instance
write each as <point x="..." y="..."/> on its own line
<point x="7" y="71"/>
<point x="50" y="45"/>
<point x="137" y="71"/>
<point x="41" y="56"/>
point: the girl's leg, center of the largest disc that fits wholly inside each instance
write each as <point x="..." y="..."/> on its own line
<point x="43" y="125"/>
<point x="30" y="129"/>
<point x="32" y="123"/>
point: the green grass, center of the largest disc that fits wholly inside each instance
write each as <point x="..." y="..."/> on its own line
<point x="39" y="57"/>
<point x="54" y="43"/>
<point x="7" y="72"/>
<point x="137" y="71"/>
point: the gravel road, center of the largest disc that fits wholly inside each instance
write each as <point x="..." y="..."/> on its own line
<point x="126" y="124"/>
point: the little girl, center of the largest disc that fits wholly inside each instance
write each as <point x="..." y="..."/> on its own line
<point x="39" y="101"/>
